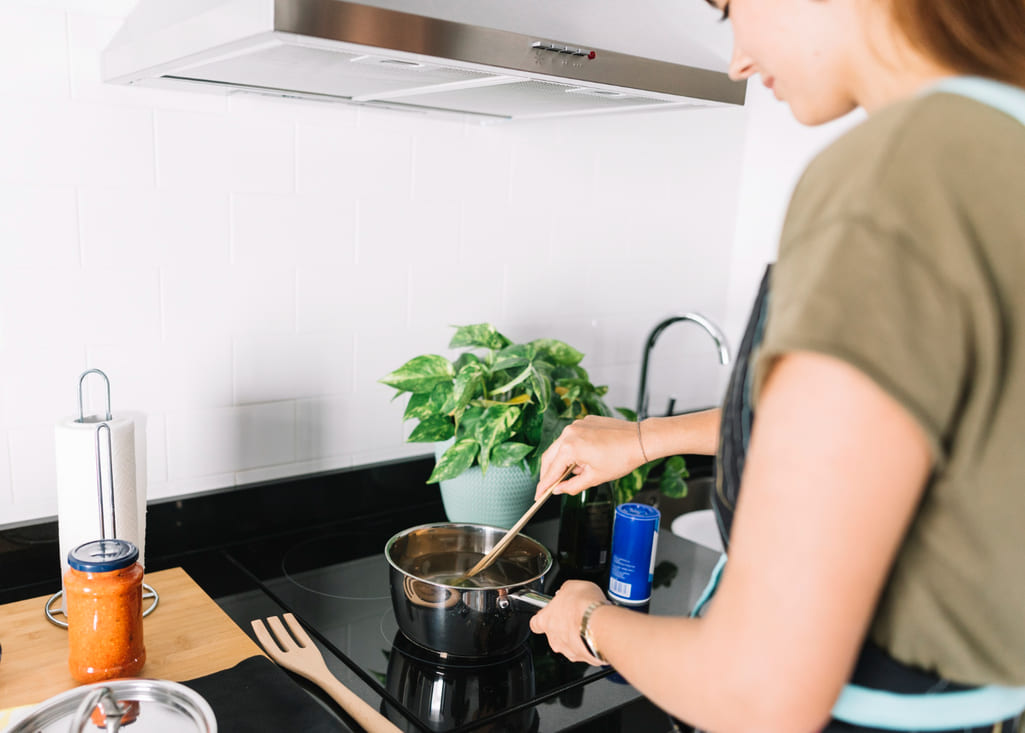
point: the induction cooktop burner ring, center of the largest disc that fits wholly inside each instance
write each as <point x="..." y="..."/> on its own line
<point x="335" y="578"/>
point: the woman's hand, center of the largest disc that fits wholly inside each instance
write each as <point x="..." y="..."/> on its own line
<point x="603" y="449"/>
<point x="560" y="620"/>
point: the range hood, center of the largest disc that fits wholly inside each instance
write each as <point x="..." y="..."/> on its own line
<point x="493" y="59"/>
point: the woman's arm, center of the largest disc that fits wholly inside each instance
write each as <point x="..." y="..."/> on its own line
<point x="604" y="448"/>
<point x="834" y="473"/>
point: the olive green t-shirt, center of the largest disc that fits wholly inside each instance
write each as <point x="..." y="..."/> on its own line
<point x="903" y="254"/>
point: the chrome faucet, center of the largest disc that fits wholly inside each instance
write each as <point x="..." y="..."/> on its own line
<point x="713" y="331"/>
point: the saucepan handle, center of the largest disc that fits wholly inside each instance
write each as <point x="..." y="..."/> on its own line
<point x="531" y="598"/>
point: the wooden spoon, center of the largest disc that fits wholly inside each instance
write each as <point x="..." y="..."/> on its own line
<point x="495" y="551"/>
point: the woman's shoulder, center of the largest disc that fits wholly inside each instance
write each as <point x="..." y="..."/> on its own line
<point x="925" y="128"/>
<point x="913" y="153"/>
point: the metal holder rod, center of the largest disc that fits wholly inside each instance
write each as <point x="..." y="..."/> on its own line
<point x="99" y="483"/>
<point x="81" y="408"/>
<point x="52" y="613"/>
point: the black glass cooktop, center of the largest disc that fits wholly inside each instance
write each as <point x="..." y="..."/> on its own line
<point x="337" y="584"/>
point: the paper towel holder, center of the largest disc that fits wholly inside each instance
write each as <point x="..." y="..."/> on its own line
<point x="148" y="591"/>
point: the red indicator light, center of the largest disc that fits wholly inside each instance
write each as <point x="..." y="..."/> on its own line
<point x="591" y="55"/>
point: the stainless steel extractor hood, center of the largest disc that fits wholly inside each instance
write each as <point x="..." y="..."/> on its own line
<point x="496" y="59"/>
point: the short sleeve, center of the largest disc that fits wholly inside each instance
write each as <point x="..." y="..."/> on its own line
<point x="852" y="290"/>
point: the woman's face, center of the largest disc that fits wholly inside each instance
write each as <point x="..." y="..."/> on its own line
<point x="801" y="48"/>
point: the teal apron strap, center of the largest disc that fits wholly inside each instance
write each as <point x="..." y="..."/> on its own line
<point x="710" y="588"/>
<point x="1007" y="98"/>
<point x="938" y="711"/>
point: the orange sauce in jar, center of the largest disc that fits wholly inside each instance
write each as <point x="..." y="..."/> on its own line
<point x="103" y="598"/>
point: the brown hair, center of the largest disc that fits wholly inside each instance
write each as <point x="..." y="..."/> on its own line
<point x="978" y="37"/>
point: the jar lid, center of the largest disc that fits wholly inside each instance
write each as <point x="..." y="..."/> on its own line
<point x="151" y="706"/>
<point x="101" y="556"/>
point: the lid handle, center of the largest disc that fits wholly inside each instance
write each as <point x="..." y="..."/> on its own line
<point x="103" y="698"/>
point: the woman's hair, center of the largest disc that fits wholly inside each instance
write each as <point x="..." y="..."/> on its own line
<point x="978" y="37"/>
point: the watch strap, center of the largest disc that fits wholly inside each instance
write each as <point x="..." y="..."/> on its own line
<point x="586" y="635"/>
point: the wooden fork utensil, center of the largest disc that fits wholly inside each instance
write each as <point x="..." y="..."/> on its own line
<point x="297" y="652"/>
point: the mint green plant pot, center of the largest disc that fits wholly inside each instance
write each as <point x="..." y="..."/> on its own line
<point x="498" y="498"/>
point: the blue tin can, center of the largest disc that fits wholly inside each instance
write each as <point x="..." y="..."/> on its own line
<point x="634" y="540"/>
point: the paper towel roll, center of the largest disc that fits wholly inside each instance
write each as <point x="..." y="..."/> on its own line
<point x="78" y="510"/>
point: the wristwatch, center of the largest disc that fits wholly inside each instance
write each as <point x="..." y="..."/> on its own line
<point x="586" y="634"/>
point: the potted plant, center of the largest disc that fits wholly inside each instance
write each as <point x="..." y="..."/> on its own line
<point x="497" y="407"/>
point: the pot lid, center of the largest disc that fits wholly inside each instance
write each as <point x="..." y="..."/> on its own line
<point x="151" y="706"/>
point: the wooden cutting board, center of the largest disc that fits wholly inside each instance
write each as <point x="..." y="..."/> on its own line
<point x="186" y="636"/>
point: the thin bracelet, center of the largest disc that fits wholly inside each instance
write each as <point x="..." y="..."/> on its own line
<point x="641" y="442"/>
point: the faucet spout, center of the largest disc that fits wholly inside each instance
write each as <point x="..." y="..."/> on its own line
<point x="714" y="331"/>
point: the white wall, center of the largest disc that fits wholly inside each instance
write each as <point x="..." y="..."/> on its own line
<point x="245" y="269"/>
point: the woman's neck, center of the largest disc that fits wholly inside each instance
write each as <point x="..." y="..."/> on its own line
<point x="890" y="68"/>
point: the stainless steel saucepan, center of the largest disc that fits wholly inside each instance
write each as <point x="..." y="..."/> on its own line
<point x="487" y="615"/>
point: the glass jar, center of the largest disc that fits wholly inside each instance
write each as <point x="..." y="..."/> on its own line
<point x="103" y="595"/>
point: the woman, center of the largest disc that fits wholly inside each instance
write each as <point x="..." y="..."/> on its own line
<point x="877" y="535"/>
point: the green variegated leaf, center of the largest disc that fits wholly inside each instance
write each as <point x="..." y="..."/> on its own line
<point x="678" y="465"/>
<point x="596" y="405"/>
<point x="469" y="383"/>
<point x="455" y="460"/>
<point x="519" y="378"/>
<point x="672" y="484"/>
<point x="467" y="357"/>
<point x="481" y="335"/>
<point x="419" y="407"/>
<point x="420" y="374"/>
<point x="627" y="486"/>
<point x="557" y="352"/>
<point x="531" y="424"/>
<point x="627" y="413"/>
<point x="569" y="393"/>
<point x="442" y="401"/>
<point x="494" y="428"/>
<point x="469" y="420"/>
<point x="551" y="428"/>
<point x="513" y="355"/>
<point x="432" y="430"/>
<point x="510" y="453"/>
<point x="541" y="387"/>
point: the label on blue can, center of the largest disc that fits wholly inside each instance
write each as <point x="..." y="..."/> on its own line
<point x="634" y="540"/>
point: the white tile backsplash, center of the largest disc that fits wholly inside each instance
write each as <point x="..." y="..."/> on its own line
<point x="34" y="56"/>
<point x="392" y="231"/>
<point x="457" y="293"/>
<point x="223" y="152"/>
<point x="347" y="296"/>
<point x="41" y="307"/>
<point x="38" y="226"/>
<point x="268" y="368"/>
<point x="130" y="227"/>
<point x="6" y="494"/>
<point x="261" y="300"/>
<point x="34" y="469"/>
<point x="245" y="268"/>
<point x="353" y="163"/>
<point x="304" y="229"/>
